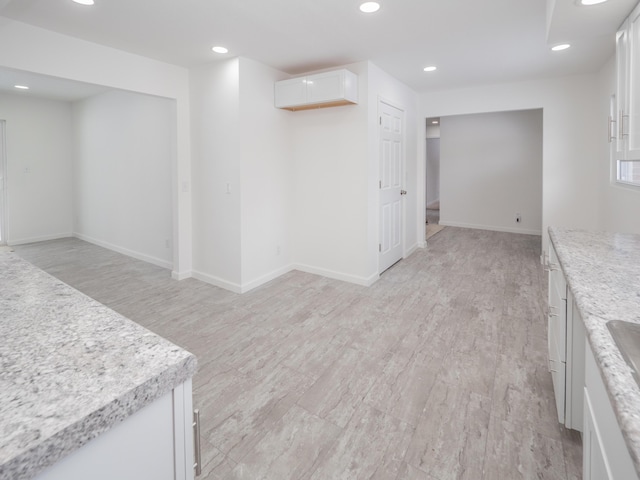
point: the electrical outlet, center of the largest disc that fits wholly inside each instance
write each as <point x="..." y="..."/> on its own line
<point x="167" y="243"/>
<point x="518" y="218"/>
<point x="277" y="249"/>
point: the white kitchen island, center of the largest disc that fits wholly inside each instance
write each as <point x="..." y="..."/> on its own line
<point x="85" y="392"/>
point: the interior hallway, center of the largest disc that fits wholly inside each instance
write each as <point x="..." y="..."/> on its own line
<point x="437" y="371"/>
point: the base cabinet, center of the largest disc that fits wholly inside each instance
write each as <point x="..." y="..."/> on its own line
<point x="155" y="443"/>
<point x="565" y="337"/>
<point x="604" y="452"/>
<point x="557" y="331"/>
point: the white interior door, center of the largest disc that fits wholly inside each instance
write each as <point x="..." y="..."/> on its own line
<point x="3" y="190"/>
<point x="391" y="154"/>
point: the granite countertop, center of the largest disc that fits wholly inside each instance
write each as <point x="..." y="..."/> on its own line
<point x="70" y="368"/>
<point x="603" y="273"/>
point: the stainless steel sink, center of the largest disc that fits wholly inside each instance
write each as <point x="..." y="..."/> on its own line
<point x="627" y="338"/>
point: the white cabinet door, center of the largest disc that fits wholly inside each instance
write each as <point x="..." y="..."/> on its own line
<point x="632" y="123"/>
<point x="574" y="397"/>
<point x="628" y="88"/>
<point x="557" y="332"/>
<point x="558" y="376"/>
<point x="557" y="359"/>
<point x="558" y="319"/>
<point x="594" y="465"/>
<point x="291" y="92"/>
<point x="325" y="87"/>
<point x="622" y="62"/>
<point x="604" y="450"/>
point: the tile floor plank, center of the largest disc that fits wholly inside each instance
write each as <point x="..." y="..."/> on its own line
<point x="450" y="439"/>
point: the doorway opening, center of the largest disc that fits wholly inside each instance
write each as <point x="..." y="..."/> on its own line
<point x="489" y="171"/>
<point x="432" y="200"/>
<point x="3" y="185"/>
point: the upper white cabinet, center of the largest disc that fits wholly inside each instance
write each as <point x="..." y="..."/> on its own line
<point x="327" y="89"/>
<point x="628" y="88"/>
<point x="622" y="64"/>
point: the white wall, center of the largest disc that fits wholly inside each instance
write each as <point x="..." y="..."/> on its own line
<point x="337" y="168"/>
<point x="37" y="50"/>
<point x="491" y="170"/>
<point x="620" y="205"/>
<point x="267" y="177"/>
<point x="303" y="185"/>
<point x="333" y="229"/>
<point x="215" y="91"/>
<point x="39" y="166"/>
<point x="329" y="148"/>
<point x="124" y="150"/>
<point x="571" y="129"/>
<point x="384" y="86"/>
<point x="242" y="175"/>
<point x="433" y="169"/>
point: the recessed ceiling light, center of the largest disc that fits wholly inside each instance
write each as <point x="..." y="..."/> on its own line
<point x="435" y="122"/>
<point x="84" y="2"/>
<point x="21" y="87"/>
<point x="430" y="68"/>
<point x="369" y="7"/>
<point x="560" y="47"/>
<point x="220" y="50"/>
<point x="590" y="2"/>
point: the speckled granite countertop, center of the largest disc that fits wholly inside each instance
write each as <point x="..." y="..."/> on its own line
<point x="603" y="273"/>
<point x="70" y="368"/>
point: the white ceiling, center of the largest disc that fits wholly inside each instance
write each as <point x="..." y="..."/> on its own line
<point x="471" y="42"/>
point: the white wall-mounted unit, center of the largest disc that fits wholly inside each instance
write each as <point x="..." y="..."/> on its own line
<point x="327" y="89"/>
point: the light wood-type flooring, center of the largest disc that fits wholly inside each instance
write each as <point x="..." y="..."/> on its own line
<point x="438" y="371"/>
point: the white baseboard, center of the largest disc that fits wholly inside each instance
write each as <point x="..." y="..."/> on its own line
<point x="181" y="275"/>
<point x="245" y="287"/>
<point x="345" y="277"/>
<point x="413" y="248"/>
<point x="43" y="238"/>
<point x="265" y="278"/>
<point x="125" y="251"/>
<point x="240" y="288"/>
<point x="491" y="228"/>
<point x="217" y="281"/>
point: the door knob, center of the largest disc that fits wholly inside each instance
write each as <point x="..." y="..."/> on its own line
<point x="403" y="192"/>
